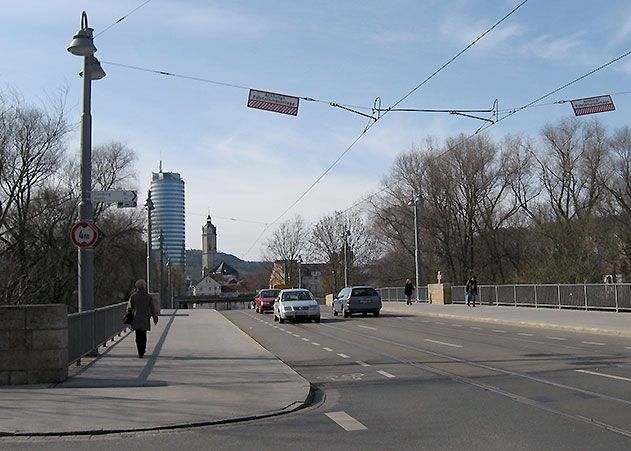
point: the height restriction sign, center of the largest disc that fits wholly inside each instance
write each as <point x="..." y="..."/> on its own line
<point x="84" y="234"/>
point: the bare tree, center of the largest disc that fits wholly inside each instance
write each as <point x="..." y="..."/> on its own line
<point x="287" y="244"/>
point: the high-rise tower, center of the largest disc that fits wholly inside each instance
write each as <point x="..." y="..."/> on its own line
<point x="209" y="246"/>
<point x="167" y="194"/>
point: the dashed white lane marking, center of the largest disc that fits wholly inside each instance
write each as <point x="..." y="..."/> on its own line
<point x="296" y="335"/>
<point x="315" y="344"/>
<point x="443" y="343"/>
<point x="476" y="328"/>
<point x="499" y="331"/>
<point x="556" y="338"/>
<point x="282" y="329"/>
<point x="367" y="327"/>
<point x="385" y="373"/>
<point x="345" y="421"/>
<point x="457" y="325"/>
<point x="305" y="339"/>
<point x="611" y="376"/>
<point x="423" y="320"/>
<point x="627" y="347"/>
<point x="328" y="349"/>
<point x="288" y="332"/>
<point x="524" y="334"/>
<point x="437" y="322"/>
<point x="596" y="343"/>
<point x="276" y="327"/>
<point x="344" y="356"/>
<point x="359" y="362"/>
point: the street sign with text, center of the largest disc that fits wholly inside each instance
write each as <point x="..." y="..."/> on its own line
<point x="590" y="105"/>
<point x="271" y="101"/>
<point x="122" y="198"/>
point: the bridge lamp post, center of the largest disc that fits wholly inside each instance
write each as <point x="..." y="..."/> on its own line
<point x="417" y="266"/>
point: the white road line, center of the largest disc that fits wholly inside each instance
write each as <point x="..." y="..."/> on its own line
<point x="275" y="327"/>
<point x="423" y="320"/>
<point x="500" y="331"/>
<point x="359" y="362"/>
<point x="524" y="334"/>
<point x="282" y="329"/>
<point x="627" y="347"/>
<point x="476" y="328"/>
<point x="457" y="325"/>
<point x="443" y="343"/>
<point x="296" y="335"/>
<point x="344" y="356"/>
<point x="288" y="332"/>
<point x="437" y="322"/>
<point x="596" y="343"/>
<point x="345" y="421"/>
<point x="385" y="373"/>
<point x="611" y="376"/>
<point x="315" y="344"/>
<point x="305" y="339"/>
<point x="556" y="338"/>
<point x="367" y="327"/>
<point x="328" y="349"/>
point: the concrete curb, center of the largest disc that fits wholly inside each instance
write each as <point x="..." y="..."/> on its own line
<point x="508" y="322"/>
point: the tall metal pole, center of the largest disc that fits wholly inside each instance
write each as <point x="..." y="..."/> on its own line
<point x="346" y="234"/>
<point x="161" y="238"/>
<point x="299" y="271"/>
<point x="150" y="207"/>
<point x="417" y="263"/>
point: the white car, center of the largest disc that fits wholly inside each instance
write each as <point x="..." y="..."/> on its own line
<point x="296" y="304"/>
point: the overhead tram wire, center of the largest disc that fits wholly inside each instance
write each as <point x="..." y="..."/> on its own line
<point x="122" y="18"/>
<point x="371" y="124"/>
<point x="510" y="113"/>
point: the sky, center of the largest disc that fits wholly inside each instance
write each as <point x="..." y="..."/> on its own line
<point x="244" y="166"/>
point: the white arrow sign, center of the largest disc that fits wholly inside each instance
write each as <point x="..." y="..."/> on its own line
<point x="123" y="198"/>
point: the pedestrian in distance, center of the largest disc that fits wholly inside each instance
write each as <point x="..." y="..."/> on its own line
<point x="471" y="291"/>
<point x="408" y="291"/>
<point x="141" y="305"/>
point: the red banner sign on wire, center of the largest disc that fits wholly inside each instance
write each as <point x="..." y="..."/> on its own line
<point x="271" y="101"/>
<point x="590" y="105"/>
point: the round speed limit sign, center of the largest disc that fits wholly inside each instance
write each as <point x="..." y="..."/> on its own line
<point x="84" y="234"/>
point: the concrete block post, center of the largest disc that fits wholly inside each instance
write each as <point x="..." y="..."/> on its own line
<point x="33" y="344"/>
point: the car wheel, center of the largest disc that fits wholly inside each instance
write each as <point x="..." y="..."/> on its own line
<point x="275" y="317"/>
<point x="376" y="312"/>
<point x="347" y="314"/>
<point x="334" y="312"/>
<point x="364" y="313"/>
<point x="316" y="319"/>
<point x="281" y="320"/>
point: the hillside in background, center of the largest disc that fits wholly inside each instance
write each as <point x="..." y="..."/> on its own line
<point x="245" y="268"/>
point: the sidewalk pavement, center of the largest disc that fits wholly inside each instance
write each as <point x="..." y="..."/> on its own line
<point x="596" y="322"/>
<point x="199" y="369"/>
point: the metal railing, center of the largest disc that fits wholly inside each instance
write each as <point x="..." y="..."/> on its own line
<point x="600" y="296"/>
<point x="102" y="324"/>
<point x="398" y="294"/>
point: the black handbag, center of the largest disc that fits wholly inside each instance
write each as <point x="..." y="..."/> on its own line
<point x="128" y="318"/>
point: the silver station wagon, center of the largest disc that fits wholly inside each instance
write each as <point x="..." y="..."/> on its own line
<point x="362" y="299"/>
<point x="296" y="304"/>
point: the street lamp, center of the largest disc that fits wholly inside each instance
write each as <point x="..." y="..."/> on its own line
<point x="299" y="271"/>
<point x="83" y="45"/>
<point x="149" y="206"/>
<point x="345" y="236"/>
<point x="161" y="241"/>
<point x="417" y="265"/>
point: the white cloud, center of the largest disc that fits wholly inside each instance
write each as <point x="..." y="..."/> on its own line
<point x="549" y="47"/>
<point x="462" y="31"/>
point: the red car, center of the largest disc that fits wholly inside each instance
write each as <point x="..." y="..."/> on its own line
<point x="264" y="300"/>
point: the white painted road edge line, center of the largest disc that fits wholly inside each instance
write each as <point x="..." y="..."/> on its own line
<point x="315" y="344"/>
<point x="499" y="331"/>
<point x="367" y="327"/>
<point x="359" y="362"/>
<point x="593" y="343"/>
<point x="328" y="349"/>
<point x="556" y="338"/>
<point x="344" y="356"/>
<point x="476" y="328"/>
<point x="443" y="343"/>
<point x="345" y="421"/>
<point x="305" y="339"/>
<point x="611" y="376"/>
<point x="385" y="373"/>
<point x="524" y="335"/>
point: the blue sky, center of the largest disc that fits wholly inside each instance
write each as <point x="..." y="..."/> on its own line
<point x="251" y="165"/>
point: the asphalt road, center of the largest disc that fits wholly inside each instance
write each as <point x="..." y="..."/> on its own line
<point x="413" y="382"/>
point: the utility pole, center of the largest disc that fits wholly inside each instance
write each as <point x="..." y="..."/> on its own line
<point x="161" y="239"/>
<point x="417" y="264"/>
<point x="300" y="271"/>
<point x="345" y="236"/>
<point x="150" y="207"/>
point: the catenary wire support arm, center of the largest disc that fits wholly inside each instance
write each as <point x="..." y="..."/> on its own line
<point x="337" y="105"/>
<point x="459" y="112"/>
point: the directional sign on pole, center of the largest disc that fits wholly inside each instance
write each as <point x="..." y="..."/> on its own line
<point x="84" y="234"/>
<point x="122" y="198"/>
<point x="271" y="101"/>
<point x="590" y="105"/>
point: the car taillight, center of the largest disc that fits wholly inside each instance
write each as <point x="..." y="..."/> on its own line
<point x="349" y="300"/>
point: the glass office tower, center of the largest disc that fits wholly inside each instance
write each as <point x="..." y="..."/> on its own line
<point x="167" y="194"/>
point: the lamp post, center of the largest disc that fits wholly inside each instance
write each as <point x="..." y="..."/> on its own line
<point x="83" y="45"/>
<point x="161" y="240"/>
<point x="300" y="271"/>
<point x="417" y="265"/>
<point x="345" y="236"/>
<point x="149" y="206"/>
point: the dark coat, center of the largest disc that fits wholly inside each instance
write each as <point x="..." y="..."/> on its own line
<point x="472" y="287"/>
<point x="408" y="289"/>
<point x="142" y="306"/>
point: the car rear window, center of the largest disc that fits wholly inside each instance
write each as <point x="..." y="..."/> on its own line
<point x="269" y="293"/>
<point x="364" y="292"/>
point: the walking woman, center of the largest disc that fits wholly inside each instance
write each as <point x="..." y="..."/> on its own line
<point x="141" y="306"/>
